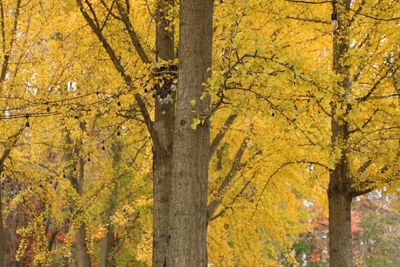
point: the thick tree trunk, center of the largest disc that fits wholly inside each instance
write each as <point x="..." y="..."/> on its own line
<point x="188" y="216"/>
<point x="164" y="124"/>
<point x="340" y="239"/>
<point x="340" y="198"/>
<point x="339" y="192"/>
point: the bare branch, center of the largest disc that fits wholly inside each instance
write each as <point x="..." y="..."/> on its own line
<point x="13" y="139"/>
<point x="313" y="20"/>
<point x="277" y="170"/>
<point x="235" y="168"/>
<point x="374" y="86"/>
<point x="107" y="16"/>
<point x="132" y="33"/>
<point x="220" y="135"/>
<point x="345" y="6"/>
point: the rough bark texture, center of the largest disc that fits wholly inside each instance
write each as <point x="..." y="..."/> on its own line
<point x="340" y="245"/>
<point x="339" y="196"/>
<point x="162" y="160"/>
<point x="188" y="216"/>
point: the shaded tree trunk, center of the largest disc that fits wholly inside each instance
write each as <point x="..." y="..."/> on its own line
<point x="108" y="242"/>
<point x="188" y="216"/>
<point x="164" y="124"/>
<point x="2" y="232"/>
<point x="71" y="155"/>
<point x="339" y="191"/>
<point x="83" y="257"/>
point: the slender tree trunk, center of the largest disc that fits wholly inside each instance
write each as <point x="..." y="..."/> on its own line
<point x="12" y="240"/>
<point x="108" y="242"/>
<point x="339" y="192"/>
<point x="2" y="232"/>
<point x="164" y="124"/>
<point x="83" y="257"/>
<point x="72" y="153"/>
<point x="188" y="216"/>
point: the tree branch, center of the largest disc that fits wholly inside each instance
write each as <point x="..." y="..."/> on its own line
<point x="235" y="168"/>
<point x="343" y="5"/>
<point x="220" y="135"/>
<point x="108" y="15"/>
<point x="14" y="139"/>
<point x="132" y="34"/>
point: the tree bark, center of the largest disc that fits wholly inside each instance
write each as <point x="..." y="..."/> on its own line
<point x="164" y="124"/>
<point x="340" y="237"/>
<point x="188" y="216"/>
<point x="339" y="191"/>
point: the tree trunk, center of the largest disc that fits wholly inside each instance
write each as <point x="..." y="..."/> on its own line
<point x="164" y="124"/>
<point x="2" y="232"/>
<point x="339" y="192"/>
<point x="83" y="258"/>
<point x="340" y="198"/>
<point x="3" y="236"/>
<point x="71" y="153"/>
<point x="82" y="250"/>
<point x="108" y="242"/>
<point x="107" y="260"/>
<point x="188" y="216"/>
<point x="340" y="239"/>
